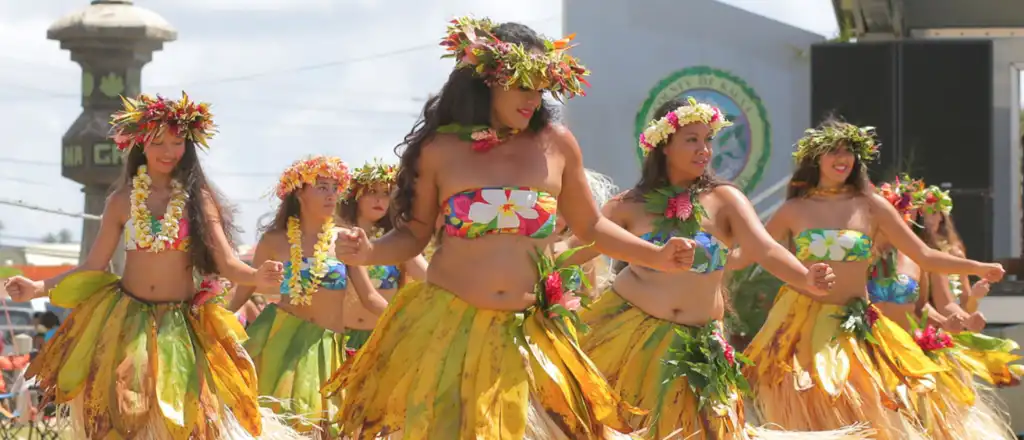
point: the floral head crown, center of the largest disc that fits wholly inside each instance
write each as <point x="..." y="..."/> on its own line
<point x="473" y="45"/>
<point x="145" y="117"/>
<point x="935" y="200"/>
<point x="369" y="174"/>
<point x="307" y="171"/>
<point x="816" y="142"/>
<point x="905" y="194"/>
<point x="658" y="132"/>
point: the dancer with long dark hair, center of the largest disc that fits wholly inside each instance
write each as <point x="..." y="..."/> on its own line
<point x="485" y="347"/>
<point x="299" y="342"/>
<point x="658" y="337"/>
<point x="144" y="355"/>
<point x="956" y="409"/>
<point x="826" y="362"/>
<point x="365" y="205"/>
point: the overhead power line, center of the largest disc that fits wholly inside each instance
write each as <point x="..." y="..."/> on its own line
<point x="21" y="204"/>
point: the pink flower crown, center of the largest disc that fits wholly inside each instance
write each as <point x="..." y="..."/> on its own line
<point x="658" y="132"/>
<point x="145" y="117"/>
<point x="307" y="171"/>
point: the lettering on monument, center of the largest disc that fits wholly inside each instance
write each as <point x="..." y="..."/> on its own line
<point x="72" y="156"/>
<point x="106" y="154"/>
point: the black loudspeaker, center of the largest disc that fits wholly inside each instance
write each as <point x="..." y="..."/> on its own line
<point x="946" y="96"/>
<point x="858" y="83"/>
<point x="931" y="102"/>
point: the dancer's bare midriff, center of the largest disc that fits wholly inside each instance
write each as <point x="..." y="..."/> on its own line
<point x="325" y="310"/>
<point x="159" y="277"/>
<point x="356" y="316"/>
<point x="500" y="274"/>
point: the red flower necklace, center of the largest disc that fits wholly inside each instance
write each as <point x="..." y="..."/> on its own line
<point x="483" y="137"/>
<point x="678" y="210"/>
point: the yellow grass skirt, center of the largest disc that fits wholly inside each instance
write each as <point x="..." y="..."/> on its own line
<point x="809" y="375"/>
<point x="132" y="369"/>
<point x="294" y="358"/>
<point x="629" y="347"/>
<point x="436" y="367"/>
<point x="960" y="409"/>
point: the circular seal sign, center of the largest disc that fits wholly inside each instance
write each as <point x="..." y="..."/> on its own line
<point x="742" y="150"/>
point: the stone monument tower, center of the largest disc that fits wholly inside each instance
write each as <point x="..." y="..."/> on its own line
<point x="111" y="40"/>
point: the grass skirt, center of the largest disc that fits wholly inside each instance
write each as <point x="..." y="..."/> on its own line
<point x="438" y="368"/>
<point x="808" y="374"/>
<point x="293" y="359"/>
<point x="635" y="350"/>
<point x="960" y="409"/>
<point x="356" y="339"/>
<point x="132" y="369"/>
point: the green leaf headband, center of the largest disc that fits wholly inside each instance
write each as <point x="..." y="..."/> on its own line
<point x="817" y="142"/>
<point x="371" y="173"/>
<point x="935" y="200"/>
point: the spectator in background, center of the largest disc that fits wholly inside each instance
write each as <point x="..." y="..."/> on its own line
<point x="48" y="324"/>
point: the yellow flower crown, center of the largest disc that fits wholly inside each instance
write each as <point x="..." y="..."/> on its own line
<point x="817" y="142"/>
<point x="473" y="45"/>
<point x="658" y="132"/>
<point x="145" y="117"/>
<point x="307" y="171"/>
<point x="371" y="173"/>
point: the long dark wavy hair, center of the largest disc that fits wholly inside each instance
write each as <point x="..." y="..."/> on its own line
<point x="289" y="207"/>
<point x="348" y="210"/>
<point x="654" y="171"/>
<point x="808" y="171"/>
<point x="945" y="234"/>
<point x="190" y="173"/>
<point x="466" y="100"/>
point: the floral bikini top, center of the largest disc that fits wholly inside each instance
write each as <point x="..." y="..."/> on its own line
<point x="385" y="277"/>
<point x="131" y="241"/>
<point x="886" y="285"/>
<point x="842" y="245"/>
<point x="500" y="210"/>
<point x="336" y="277"/>
<point x="710" y="255"/>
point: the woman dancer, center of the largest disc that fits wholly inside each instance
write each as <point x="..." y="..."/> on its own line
<point x="940" y="233"/>
<point x="142" y="356"/>
<point x="297" y="343"/>
<point x="953" y="410"/>
<point x="365" y="205"/>
<point x="484" y="348"/>
<point x="658" y="337"/>
<point x="822" y="363"/>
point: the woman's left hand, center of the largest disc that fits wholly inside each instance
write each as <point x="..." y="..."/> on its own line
<point x="976" y="322"/>
<point x="821" y="277"/>
<point x="269" y="275"/>
<point x="675" y="256"/>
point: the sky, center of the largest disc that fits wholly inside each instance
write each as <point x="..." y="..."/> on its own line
<point x="286" y="78"/>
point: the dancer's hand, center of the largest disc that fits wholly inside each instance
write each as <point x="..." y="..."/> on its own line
<point x="980" y="289"/>
<point x="976" y="322"/>
<point x="955" y="323"/>
<point x="675" y="256"/>
<point x="993" y="272"/>
<point x="353" y="246"/>
<point x="22" y="289"/>
<point x="269" y="276"/>
<point x="821" y="277"/>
